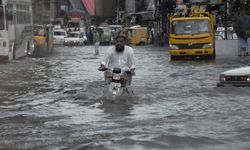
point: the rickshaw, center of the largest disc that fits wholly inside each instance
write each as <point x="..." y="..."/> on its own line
<point x="138" y="35"/>
<point x="43" y="40"/>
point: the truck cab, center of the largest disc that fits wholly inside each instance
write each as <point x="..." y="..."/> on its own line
<point x="192" y="36"/>
<point x="75" y="24"/>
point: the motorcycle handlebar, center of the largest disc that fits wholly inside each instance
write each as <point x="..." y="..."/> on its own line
<point x="102" y="69"/>
<point x="105" y="69"/>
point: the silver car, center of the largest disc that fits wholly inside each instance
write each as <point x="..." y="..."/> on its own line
<point x="235" y="77"/>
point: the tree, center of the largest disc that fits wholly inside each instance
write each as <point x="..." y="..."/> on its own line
<point x="239" y="8"/>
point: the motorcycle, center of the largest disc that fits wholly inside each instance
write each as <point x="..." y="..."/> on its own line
<point x="117" y="80"/>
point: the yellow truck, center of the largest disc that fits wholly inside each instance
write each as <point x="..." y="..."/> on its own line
<point x="192" y="36"/>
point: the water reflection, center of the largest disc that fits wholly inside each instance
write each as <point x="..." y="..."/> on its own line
<point x="59" y="102"/>
<point x="117" y="106"/>
<point x="193" y="62"/>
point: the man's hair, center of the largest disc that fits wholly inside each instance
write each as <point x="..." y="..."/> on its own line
<point x="120" y="36"/>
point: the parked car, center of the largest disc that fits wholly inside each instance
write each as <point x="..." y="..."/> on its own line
<point x="75" y="39"/>
<point x="235" y="77"/>
<point x="59" y="35"/>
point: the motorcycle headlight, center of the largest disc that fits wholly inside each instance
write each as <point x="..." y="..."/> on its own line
<point x="208" y="46"/>
<point x="116" y="77"/>
<point x="66" y="41"/>
<point x="222" y="78"/>
<point x="174" y="47"/>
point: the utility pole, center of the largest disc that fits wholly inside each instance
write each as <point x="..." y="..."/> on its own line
<point x="117" y="11"/>
<point x="167" y="8"/>
<point x="226" y="17"/>
<point x="3" y="4"/>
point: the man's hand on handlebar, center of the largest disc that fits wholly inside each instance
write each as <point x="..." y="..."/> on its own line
<point x="102" y="68"/>
<point x="131" y="71"/>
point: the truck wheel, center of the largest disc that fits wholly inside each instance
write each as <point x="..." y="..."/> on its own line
<point x="28" y="48"/>
<point x="14" y="51"/>
<point x="142" y="43"/>
<point x="214" y="55"/>
<point x="173" y="58"/>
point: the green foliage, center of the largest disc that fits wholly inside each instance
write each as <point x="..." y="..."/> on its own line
<point x="239" y="8"/>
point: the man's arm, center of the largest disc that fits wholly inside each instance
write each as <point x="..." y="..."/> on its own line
<point x="106" y="59"/>
<point x="132" y="61"/>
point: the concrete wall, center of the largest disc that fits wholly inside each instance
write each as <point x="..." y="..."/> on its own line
<point x="226" y="47"/>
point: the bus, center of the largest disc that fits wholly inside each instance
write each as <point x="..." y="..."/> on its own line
<point x="16" y="34"/>
<point x="43" y="40"/>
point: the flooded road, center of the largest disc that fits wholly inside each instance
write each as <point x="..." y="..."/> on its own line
<point x="58" y="102"/>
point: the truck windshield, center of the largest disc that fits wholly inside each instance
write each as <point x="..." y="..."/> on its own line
<point x="190" y="27"/>
<point x="1" y="18"/>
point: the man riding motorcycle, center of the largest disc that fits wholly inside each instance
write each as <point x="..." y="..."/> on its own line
<point x="120" y="56"/>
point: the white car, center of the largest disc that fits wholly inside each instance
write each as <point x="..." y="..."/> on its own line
<point x="59" y="35"/>
<point x="75" y="39"/>
<point x="235" y="77"/>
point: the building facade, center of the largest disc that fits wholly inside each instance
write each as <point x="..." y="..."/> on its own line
<point x="49" y="11"/>
<point x="105" y="11"/>
<point x="105" y="8"/>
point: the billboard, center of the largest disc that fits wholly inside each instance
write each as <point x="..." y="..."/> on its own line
<point x="178" y="2"/>
<point x="216" y="1"/>
<point x="205" y="1"/>
<point x="90" y="6"/>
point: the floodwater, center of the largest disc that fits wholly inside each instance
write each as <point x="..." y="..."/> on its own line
<point x="57" y="102"/>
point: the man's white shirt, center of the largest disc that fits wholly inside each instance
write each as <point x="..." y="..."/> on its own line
<point x="122" y="60"/>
